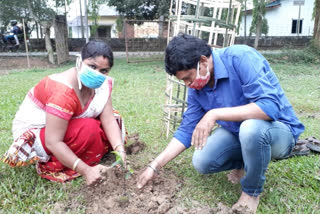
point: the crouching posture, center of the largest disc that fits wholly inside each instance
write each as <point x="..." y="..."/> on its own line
<point x="235" y="88"/>
<point x="66" y="122"/>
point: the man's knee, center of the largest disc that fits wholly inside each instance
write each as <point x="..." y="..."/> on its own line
<point x="251" y="133"/>
<point x="203" y="164"/>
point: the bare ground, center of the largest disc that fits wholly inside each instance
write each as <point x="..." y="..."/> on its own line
<point x="18" y="63"/>
<point x="115" y="194"/>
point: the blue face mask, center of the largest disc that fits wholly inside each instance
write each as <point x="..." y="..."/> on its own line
<point x="90" y="77"/>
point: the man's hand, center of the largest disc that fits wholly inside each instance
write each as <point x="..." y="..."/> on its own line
<point x="147" y="175"/>
<point x="94" y="174"/>
<point x="203" y="129"/>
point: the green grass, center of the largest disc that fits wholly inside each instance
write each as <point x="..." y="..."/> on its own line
<point x="292" y="185"/>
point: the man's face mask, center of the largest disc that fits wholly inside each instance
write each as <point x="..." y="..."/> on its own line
<point x="90" y="77"/>
<point x="201" y="81"/>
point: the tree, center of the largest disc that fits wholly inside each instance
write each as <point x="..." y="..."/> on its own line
<point x="141" y="9"/>
<point x="93" y="13"/>
<point x="13" y="9"/>
<point x="316" y="29"/>
<point x="43" y="13"/>
<point x="258" y="21"/>
<point x="44" y="17"/>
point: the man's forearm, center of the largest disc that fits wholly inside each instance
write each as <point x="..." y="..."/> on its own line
<point x="173" y="149"/>
<point x="239" y="113"/>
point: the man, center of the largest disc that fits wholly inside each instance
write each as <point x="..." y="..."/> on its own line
<point x="236" y="88"/>
<point x="15" y="30"/>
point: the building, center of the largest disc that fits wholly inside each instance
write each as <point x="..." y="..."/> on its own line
<point x="282" y="17"/>
<point x="106" y="24"/>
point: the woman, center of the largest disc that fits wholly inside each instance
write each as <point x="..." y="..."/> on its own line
<point x="66" y="122"/>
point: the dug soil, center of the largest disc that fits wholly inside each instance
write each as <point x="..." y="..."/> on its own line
<point x="8" y="64"/>
<point x="115" y="194"/>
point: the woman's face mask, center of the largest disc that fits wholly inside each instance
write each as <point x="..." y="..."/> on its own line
<point x="90" y="77"/>
<point x="201" y="81"/>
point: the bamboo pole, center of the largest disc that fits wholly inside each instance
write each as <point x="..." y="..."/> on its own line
<point x="25" y="42"/>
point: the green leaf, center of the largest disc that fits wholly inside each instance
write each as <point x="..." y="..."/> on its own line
<point x="116" y="163"/>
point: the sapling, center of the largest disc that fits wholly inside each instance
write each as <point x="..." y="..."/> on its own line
<point x="121" y="163"/>
<point x="128" y="173"/>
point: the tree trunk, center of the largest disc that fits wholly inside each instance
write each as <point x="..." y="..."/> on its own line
<point x="49" y="47"/>
<point x="316" y="28"/>
<point x="258" y="32"/>
<point x="61" y="38"/>
<point x="46" y="25"/>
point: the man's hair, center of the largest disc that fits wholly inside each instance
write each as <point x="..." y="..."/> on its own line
<point x="183" y="53"/>
<point x="97" y="48"/>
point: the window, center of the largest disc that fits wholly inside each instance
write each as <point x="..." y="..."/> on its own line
<point x="294" y="27"/>
<point x="104" y="31"/>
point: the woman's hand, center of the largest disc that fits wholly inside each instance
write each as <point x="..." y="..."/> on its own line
<point x="202" y="130"/>
<point x="94" y="174"/>
<point x="124" y="157"/>
<point x="147" y="175"/>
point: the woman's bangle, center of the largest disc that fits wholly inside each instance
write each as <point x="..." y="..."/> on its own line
<point x="75" y="164"/>
<point x="154" y="169"/>
<point x="120" y="144"/>
<point x="121" y="151"/>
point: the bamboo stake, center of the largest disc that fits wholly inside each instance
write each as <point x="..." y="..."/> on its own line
<point x="25" y="42"/>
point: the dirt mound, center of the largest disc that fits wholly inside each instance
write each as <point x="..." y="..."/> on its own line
<point x="115" y="194"/>
<point x="134" y="144"/>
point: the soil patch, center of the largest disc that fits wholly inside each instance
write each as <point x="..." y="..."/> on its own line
<point x="115" y="194"/>
<point x="19" y="63"/>
<point x="134" y="144"/>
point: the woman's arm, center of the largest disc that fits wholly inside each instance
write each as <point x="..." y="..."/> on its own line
<point x="111" y="128"/>
<point x="54" y="135"/>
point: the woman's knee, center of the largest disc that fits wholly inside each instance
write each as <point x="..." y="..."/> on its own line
<point x="87" y="128"/>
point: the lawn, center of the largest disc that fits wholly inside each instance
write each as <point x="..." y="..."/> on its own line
<point x="292" y="186"/>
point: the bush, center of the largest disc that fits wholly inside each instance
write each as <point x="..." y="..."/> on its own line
<point x="309" y="55"/>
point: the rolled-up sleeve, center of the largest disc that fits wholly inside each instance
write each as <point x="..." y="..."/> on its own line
<point x="259" y="84"/>
<point x="190" y="119"/>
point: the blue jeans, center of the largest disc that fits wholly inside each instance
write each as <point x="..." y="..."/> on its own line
<point x="257" y="143"/>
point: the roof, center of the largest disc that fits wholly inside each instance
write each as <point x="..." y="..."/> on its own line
<point x="104" y="10"/>
<point x="270" y="4"/>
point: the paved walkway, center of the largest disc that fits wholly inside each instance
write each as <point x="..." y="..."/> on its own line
<point x="116" y="54"/>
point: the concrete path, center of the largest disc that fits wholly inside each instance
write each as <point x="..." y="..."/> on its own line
<point x="115" y="54"/>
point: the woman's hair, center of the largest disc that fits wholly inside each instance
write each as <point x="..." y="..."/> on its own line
<point x="183" y="53"/>
<point x="97" y="48"/>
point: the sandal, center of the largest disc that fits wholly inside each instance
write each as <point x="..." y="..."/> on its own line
<point x="313" y="144"/>
<point x="300" y="149"/>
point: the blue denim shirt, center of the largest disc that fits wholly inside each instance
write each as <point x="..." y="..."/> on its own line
<point x="242" y="75"/>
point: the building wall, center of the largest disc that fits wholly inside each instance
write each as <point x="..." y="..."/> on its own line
<point x="103" y="21"/>
<point x="280" y="19"/>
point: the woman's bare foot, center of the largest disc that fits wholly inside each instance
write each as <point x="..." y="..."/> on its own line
<point x="235" y="175"/>
<point x="246" y="204"/>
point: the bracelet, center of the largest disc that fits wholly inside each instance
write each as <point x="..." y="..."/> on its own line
<point x="76" y="164"/>
<point x="121" y="151"/>
<point x="120" y="144"/>
<point x="155" y="170"/>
